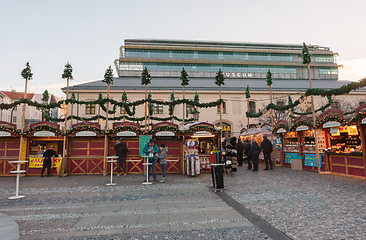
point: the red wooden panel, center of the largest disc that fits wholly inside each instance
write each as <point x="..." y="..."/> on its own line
<point x="339" y="169"/>
<point x="38" y="171"/>
<point x="95" y="166"/>
<point x="80" y="152"/>
<point x="2" y="145"/>
<point x="77" y="166"/>
<point x="355" y="161"/>
<point x="134" y="144"/>
<point x="96" y="152"/>
<point x="356" y="171"/>
<point x="2" y="153"/>
<point x="338" y="160"/>
<point x="12" y="153"/>
<point x="13" y="145"/>
<point x="96" y="145"/>
<point x="79" y="144"/>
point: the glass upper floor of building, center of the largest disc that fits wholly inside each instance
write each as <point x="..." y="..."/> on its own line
<point x="200" y="67"/>
<point x="224" y="55"/>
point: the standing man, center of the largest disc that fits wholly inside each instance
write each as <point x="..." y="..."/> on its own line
<point x="267" y="148"/>
<point x="240" y="151"/>
<point x="121" y="151"/>
<point x="247" y="153"/>
<point x="254" y="153"/>
<point x="47" y="162"/>
<point x="151" y="149"/>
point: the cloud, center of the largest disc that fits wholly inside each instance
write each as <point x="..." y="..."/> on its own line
<point x="353" y="70"/>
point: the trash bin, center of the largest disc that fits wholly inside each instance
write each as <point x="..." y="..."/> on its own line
<point x="296" y="162"/>
<point x="217" y="171"/>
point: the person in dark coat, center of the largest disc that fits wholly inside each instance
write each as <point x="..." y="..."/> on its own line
<point x="121" y="151"/>
<point x="254" y="153"/>
<point x="240" y="151"/>
<point x="48" y="154"/>
<point x="267" y="148"/>
<point x="247" y="153"/>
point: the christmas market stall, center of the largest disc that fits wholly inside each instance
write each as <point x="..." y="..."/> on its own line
<point x="9" y="148"/>
<point x="281" y="127"/>
<point x="201" y="146"/>
<point x="85" y="149"/>
<point x="168" y="133"/>
<point x="360" y="118"/>
<point x="306" y="144"/>
<point x="343" y="144"/>
<point x="42" y="136"/>
<point x="128" y="133"/>
<point x="291" y="148"/>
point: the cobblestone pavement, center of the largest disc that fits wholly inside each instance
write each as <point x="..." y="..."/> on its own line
<point x="301" y="204"/>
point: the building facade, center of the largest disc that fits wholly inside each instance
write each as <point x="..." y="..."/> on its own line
<point x="243" y="64"/>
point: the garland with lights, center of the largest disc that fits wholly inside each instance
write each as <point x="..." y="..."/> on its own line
<point x="10" y="130"/>
<point x="202" y="128"/>
<point x="42" y="128"/>
<point x="358" y="117"/>
<point x="165" y="128"/>
<point x="279" y="126"/>
<point x="301" y="123"/>
<point x="321" y="122"/>
<point x="125" y="128"/>
<point x="84" y="128"/>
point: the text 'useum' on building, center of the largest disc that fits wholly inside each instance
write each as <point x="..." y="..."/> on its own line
<point x="243" y="64"/>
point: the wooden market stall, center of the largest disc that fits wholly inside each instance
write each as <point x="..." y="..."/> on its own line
<point x="201" y="142"/>
<point x="41" y="136"/>
<point x="85" y="149"/>
<point x="9" y="148"/>
<point x="343" y="145"/>
<point x="281" y="127"/>
<point x="361" y="122"/>
<point x="128" y="133"/>
<point x="168" y="133"/>
<point x="305" y="146"/>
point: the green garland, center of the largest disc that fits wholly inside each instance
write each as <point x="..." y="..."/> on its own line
<point x="321" y="122"/>
<point x="301" y="123"/>
<point x="124" y="128"/>
<point x="42" y="128"/>
<point x="279" y="126"/>
<point x="84" y="128"/>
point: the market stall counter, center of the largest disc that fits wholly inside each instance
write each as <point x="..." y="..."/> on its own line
<point x="343" y="145"/>
<point x="205" y="137"/>
<point x="42" y="136"/>
<point x="9" y="148"/>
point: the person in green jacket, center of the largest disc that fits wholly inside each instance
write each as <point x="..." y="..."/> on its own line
<point x="151" y="150"/>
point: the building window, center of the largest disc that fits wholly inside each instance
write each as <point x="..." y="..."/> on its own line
<point x="223" y="108"/>
<point x="281" y="104"/>
<point x="252" y="107"/>
<point x="90" y="108"/>
<point x="158" y="108"/>
<point x="14" y="119"/>
<point x="190" y="109"/>
<point x="336" y="105"/>
<point x="362" y="103"/>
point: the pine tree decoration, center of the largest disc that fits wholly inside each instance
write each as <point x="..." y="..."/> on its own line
<point x="45" y="96"/>
<point x="108" y="76"/>
<point x="73" y="97"/>
<point x="145" y="77"/>
<point x="67" y="72"/>
<point x="124" y="97"/>
<point x="196" y="98"/>
<point x="27" y="72"/>
<point x="184" y="78"/>
<point x="220" y="79"/>
<point x="247" y="92"/>
<point x="269" y="78"/>
<point x="305" y="54"/>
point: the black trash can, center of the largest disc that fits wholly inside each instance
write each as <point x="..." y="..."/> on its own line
<point x="217" y="171"/>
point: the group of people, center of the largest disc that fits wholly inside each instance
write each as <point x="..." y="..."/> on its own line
<point x="252" y="150"/>
<point x="151" y="150"/>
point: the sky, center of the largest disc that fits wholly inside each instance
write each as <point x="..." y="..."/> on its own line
<point x="89" y="33"/>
